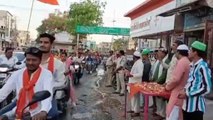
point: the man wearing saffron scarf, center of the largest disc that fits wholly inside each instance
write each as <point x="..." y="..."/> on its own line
<point x="54" y="65"/>
<point x="26" y="82"/>
<point x="48" y="61"/>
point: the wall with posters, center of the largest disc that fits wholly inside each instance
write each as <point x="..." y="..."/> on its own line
<point x="151" y="23"/>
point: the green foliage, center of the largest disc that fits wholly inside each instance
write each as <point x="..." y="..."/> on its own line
<point x="120" y="44"/>
<point x="55" y="23"/>
<point x="87" y="12"/>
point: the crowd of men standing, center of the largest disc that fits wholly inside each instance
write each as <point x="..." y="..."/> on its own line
<point x="183" y="72"/>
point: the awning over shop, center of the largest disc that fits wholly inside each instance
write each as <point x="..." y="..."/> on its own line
<point x="183" y="8"/>
<point x="146" y="7"/>
<point x="155" y="36"/>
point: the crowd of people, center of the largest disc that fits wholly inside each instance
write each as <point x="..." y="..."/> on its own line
<point x="43" y="71"/>
<point x="183" y="72"/>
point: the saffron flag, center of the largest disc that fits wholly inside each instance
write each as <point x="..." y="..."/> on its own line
<point x="51" y="2"/>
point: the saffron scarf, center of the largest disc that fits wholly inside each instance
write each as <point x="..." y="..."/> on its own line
<point x="27" y="92"/>
<point x="51" y="63"/>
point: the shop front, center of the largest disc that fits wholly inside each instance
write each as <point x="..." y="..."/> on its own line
<point x="198" y="22"/>
<point x="149" y="29"/>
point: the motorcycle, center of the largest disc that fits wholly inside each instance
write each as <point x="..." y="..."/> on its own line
<point x="89" y="67"/>
<point x="77" y="73"/>
<point x="39" y="96"/>
<point x="83" y="64"/>
<point x="62" y="101"/>
<point x="5" y="73"/>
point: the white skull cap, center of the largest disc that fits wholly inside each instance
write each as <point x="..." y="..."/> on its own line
<point x="183" y="47"/>
<point x="137" y="54"/>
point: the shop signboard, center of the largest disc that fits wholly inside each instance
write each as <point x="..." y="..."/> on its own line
<point x="150" y="23"/>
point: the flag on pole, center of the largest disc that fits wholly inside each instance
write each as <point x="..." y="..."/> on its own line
<point x="51" y="2"/>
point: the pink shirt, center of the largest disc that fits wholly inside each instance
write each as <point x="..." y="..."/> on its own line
<point x="176" y="84"/>
<point x="67" y="67"/>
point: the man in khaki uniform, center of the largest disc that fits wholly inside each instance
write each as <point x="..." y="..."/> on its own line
<point x="120" y="64"/>
<point x="110" y="69"/>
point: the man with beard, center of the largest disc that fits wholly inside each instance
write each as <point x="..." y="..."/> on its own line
<point x="52" y="64"/>
<point x="160" y="78"/>
<point x="26" y="82"/>
<point x="135" y="76"/>
<point x="172" y="64"/>
<point x="177" y="83"/>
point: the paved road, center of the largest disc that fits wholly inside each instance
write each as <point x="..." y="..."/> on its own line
<point x="100" y="104"/>
<point x="89" y="106"/>
<point x="209" y="111"/>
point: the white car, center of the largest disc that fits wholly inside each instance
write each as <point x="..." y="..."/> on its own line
<point x="21" y="59"/>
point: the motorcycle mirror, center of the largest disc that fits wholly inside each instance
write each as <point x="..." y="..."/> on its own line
<point x="39" y="96"/>
<point x="18" y="63"/>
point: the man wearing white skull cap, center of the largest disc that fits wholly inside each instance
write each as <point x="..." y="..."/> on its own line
<point x="135" y="76"/>
<point x="177" y="82"/>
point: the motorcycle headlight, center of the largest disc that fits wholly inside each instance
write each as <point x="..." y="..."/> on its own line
<point x="3" y="69"/>
<point x="77" y="66"/>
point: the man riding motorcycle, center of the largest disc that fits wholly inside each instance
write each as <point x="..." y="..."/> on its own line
<point x="89" y="63"/>
<point x="52" y="64"/>
<point x="8" y="58"/>
<point x="26" y="82"/>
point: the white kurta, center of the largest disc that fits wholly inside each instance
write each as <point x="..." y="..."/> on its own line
<point x="137" y="73"/>
<point x="15" y="83"/>
<point x="11" y="62"/>
<point x="58" y="74"/>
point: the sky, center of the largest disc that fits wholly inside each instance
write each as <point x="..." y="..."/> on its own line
<point x="115" y="9"/>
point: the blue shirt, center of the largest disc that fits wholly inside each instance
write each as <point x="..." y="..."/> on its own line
<point x="198" y="85"/>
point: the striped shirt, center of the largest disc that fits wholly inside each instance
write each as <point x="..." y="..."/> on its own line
<point x="198" y="85"/>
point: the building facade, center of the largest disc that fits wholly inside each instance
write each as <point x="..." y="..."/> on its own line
<point x="23" y="38"/>
<point x="151" y="30"/>
<point x="8" y="31"/>
<point x="197" y="19"/>
<point x="63" y="41"/>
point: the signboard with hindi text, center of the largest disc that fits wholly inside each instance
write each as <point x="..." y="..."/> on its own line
<point x="103" y="30"/>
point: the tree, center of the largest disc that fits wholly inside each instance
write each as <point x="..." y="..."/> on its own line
<point x="120" y="44"/>
<point x="87" y="12"/>
<point x="56" y="22"/>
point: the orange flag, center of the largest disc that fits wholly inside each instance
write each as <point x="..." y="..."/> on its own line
<point x="51" y="2"/>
